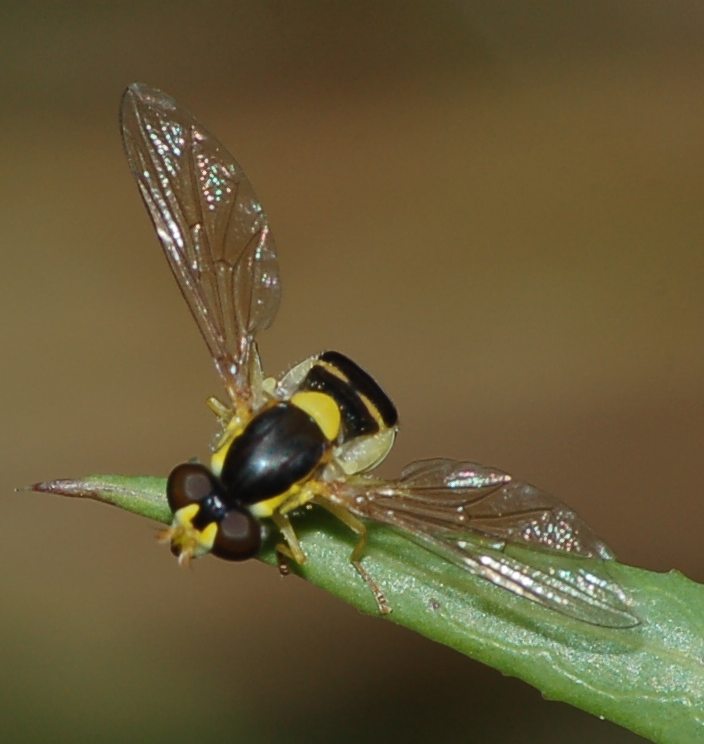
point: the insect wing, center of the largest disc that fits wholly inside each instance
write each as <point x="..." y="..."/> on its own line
<point x="475" y="517"/>
<point x="459" y="494"/>
<point x="211" y="225"/>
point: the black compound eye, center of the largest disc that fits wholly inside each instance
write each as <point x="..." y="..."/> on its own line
<point x="239" y="536"/>
<point x="189" y="483"/>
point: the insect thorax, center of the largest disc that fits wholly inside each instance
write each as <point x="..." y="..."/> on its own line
<point x="325" y="418"/>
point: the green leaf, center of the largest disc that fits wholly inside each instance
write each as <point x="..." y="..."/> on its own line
<point x="649" y="679"/>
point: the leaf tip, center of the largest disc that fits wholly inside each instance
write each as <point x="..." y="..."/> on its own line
<point x="60" y="487"/>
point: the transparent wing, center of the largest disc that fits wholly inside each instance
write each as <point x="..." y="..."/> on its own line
<point x="211" y="225"/>
<point x="475" y="517"/>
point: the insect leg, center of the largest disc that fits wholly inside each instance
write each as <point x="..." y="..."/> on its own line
<point x="290" y="549"/>
<point x="359" y="529"/>
<point x="222" y="411"/>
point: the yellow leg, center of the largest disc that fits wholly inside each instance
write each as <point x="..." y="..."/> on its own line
<point x="291" y="548"/>
<point x="305" y="495"/>
<point x="218" y="408"/>
<point x="359" y="529"/>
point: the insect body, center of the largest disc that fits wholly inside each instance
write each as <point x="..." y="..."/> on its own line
<point x="312" y="436"/>
<point x="325" y="418"/>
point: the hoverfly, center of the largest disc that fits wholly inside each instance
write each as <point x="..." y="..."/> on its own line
<point x="311" y="436"/>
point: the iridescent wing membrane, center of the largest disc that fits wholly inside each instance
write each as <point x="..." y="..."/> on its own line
<point x="212" y="227"/>
<point x="216" y="238"/>
<point x="474" y="517"/>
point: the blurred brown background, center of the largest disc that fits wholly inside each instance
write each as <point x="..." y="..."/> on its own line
<point x="496" y="210"/>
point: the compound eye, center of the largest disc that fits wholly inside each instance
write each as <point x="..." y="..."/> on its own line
<point x="239" y="536"/>
<point x="189" y="483"/>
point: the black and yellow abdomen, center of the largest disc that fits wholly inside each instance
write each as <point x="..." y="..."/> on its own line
<point x="364" y="406"/>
